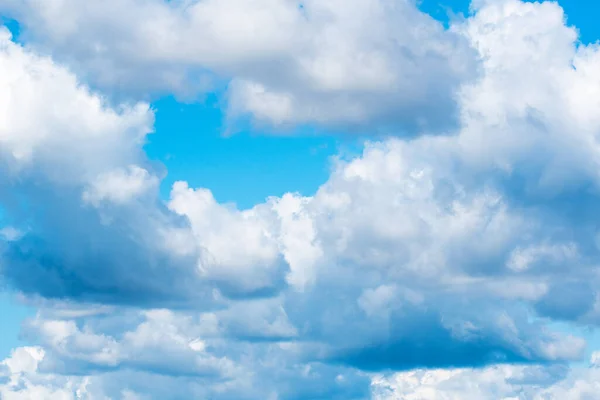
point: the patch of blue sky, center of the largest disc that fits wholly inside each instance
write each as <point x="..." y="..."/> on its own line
<point x="244" y="167"/>
<point x="590" y="334"/>
<point x="12" y="314"/>
<point x="13" y="26"/>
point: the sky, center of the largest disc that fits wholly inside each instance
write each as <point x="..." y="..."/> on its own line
<point x="274" y="199"/>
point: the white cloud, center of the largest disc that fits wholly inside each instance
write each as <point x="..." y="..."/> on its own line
<point x="55" y="126"/>
<point x="297" y="239"/>
<point x="24" y="359"/>
<point x="287" y="61"/>
<point x="162" y="341"/>
<point x="24" y="384"/>
<point x="62" y="145"/>
<point x="532" y="111"/>
<point x="120" y="186"/>
<point x="237" y="247"/>
<point x="523" y="259"/>
<point x="506" y="382"/>
<point x="164" y="353"/>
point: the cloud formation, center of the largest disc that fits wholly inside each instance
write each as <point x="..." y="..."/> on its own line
<point x="74" y="178"/>
<point x="441" y="257"/>
<point x="379" y="64"/>
<point x="500" y="382"/>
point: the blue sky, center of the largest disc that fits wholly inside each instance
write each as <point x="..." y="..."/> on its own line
<point x="332" y="206"/>
<point x="190" y="141"/>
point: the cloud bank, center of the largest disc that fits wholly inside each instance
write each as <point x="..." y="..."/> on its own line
<point x="435" y="267"/>
<point x="378" y="64"/>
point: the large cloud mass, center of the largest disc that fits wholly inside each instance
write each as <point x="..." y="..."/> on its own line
<point x="376" y="63"/>
<point x="440" y="257"/>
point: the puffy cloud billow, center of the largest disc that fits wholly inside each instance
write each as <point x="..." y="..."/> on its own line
<point x="435" y="267"/>
<point x="376" y="63"/>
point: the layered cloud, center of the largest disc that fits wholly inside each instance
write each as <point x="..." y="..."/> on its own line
<point x="450" y="252"/>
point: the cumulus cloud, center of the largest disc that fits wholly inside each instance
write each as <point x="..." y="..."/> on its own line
<point x="161" y="342"/>
<point x="451" y="252"/>
<point x="161" y="353"/>
<point x="23" y="383"/>
<point x="238" y="247"/>
<point x="377" y="63"/>
<point x="120" y="186"/>
<point x="500" y="382"/>
<point x="62" y="147"/>
<point x="27" y="376"/>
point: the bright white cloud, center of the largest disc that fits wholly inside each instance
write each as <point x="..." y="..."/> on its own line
<point x="237" y="247"/>
<point x="376" y="62"/>
<point x="120" y="186"/>
<point x="162" y="341"/>
<point x="532" y="112"/>
<point x="54" y="126"/>
<point x="501" y="382"/>
<point x="24" y="383"/>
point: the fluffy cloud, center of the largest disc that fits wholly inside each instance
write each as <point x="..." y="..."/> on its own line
<point x="500" y="382"/>
<point x="438" y="252"/>
<point x="23" y="383"/>
<point x="161" y="342"/>
<point x="376" y="62"/>
<point x="27" y="374"/>
<point x="237" y="247"/>
<point x="120" y="186"/>
<point x="53" y="126"/>
<point x="160" y="353"/>
<point x="63" y="150"/>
